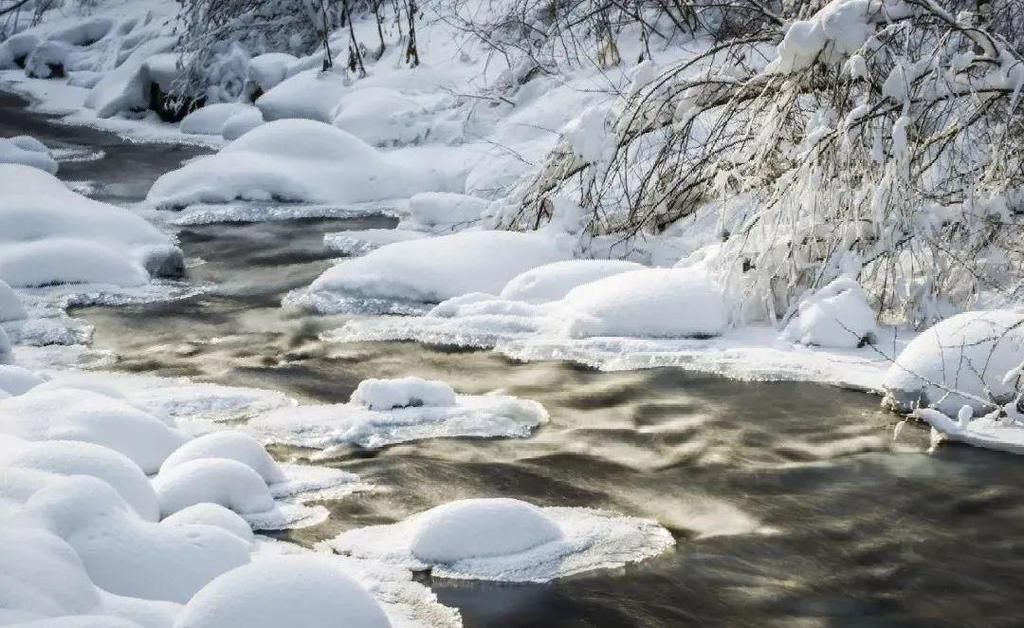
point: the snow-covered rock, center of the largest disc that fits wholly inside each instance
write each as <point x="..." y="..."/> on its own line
<point x="268" y="70"/>
<point x="81" y="415"/>
<point x="214" y="480"/>
<point x="230" y="445"/>
<point x="838" y="316"/>
<point x="210" y="120"/>
<point x="311" y="95"/>
<point x="962" y="360"/>
<point x="15" y="380"/>
<point x="212" y="515"/>
<point x="507" y="540"/>
<point x="444" y="211"/>
<point x="48" y="60"/>
<point x="291" y="160"/>
<point x="431" y="270"/>
<point x="11" y="308"/>
<point x="652" y="303"/>
<point x="405" y="392"/>
<point x="54" y="235"/>
<point x="294" y="591"/>
<point x="15" y="49"/>
<point x="241" y="123"/>
<point x="84" y="31"/>
<point x="27" y="151"/>
<point x="552" y="282"/>
<point x="381" y="116"/>
<point x="125" y="89"/>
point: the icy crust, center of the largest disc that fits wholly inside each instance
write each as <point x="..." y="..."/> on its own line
<point x="998" y="430"/>
<point x="404" y="392"/>
<point x="292" y="160"/>
<point x="204" y="214"/>
<point x="507" y="540"/>
<point x="477" y="416"/>
<point x="361" y="241"/>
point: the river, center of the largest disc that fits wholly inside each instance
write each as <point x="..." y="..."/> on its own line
<point x="791" y="503"/>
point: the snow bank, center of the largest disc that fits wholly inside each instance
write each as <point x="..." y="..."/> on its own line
<point x="230" y="445"/>
<point x="652" y="303"/>
<point x="310" y="95"/>
<point x="54" y="235"/>
<point x="430" y="270"/>
<point x="296" y="591"/>
<point x="212" y="515"/>
<point x="507" y="540"/>
<point x="10" y="306"/>
<point x="27" y="151"/>
<point x="484" y="416"/>
<point x="962" y="360"/>
<point x="241" y="123"/>
<point x="81" y="415"/>
<point x="552" y="282"/>
<point x="838" y="315"/>
<point x="434" y="211"/>
<point x="290" y="160"/>
<point x="406" y="392"/>
<point x="210" y="120"/>
<point x="228" y="483"/>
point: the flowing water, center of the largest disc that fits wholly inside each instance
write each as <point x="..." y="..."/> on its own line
<point x="791" y="503"/>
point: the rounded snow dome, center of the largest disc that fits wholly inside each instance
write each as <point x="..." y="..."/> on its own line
<point x="230" y="445"/>
<point x="293" y="591"/>
<point x="481" y="527"/>
<point x="214" y="480"/>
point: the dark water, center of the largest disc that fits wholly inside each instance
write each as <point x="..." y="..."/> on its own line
<point x="791" y="504"/>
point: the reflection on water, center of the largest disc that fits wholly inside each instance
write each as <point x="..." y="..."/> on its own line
<point x="791" y="504"/>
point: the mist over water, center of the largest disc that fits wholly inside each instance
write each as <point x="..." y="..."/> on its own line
<point x="791" y="503"/>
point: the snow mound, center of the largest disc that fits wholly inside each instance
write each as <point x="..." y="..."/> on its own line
<point x="436" y="211"/>
<point x="53" y="235"/>
<point x="229" y="445"/>
<point x="27" y="151"/>
<point x="310" y="95"/>
<point x="210" y="120"/>
<point x="11" y="308"/>
<point x="507" y="540"/>
<point x="81" y="415"/>
<point x="960" y="361"/>
<point x="362" y="241"/>
<point x="268" y="70"/>
<point x="15" y="49"/>
<point x="430" y="270"/>
<point x="652" y="303"/>
<point x="294" y="591"/>
<point x="241" y="123"/>
<point x="125" y="89"/>
<point x="212" y="515"/>
<point x="48" y="60"/>
<point x="228" y="483"/>
<point x="15" y="380"/>
<point x="483" y="416"/>
<point x="838" y="315"/>
<point x="405" y="392"/>
<point x="552" y="282"/>
<point x="291" y="160"/>
<point x="381" y="116"/>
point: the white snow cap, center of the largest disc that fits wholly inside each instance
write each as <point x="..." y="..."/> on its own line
<point x="230" y="445"/>
<point x="210" y="120"/>
<point x="444" y="210"/>
<point x="212" y="515"/>
<point x="387" y="394"/>
<point x="838" y="315"/>
<point x="552" y="282"/>
<point x="293" y="591"/>
<point x="27" y="151"/>
<point x="213" y="480"/>
<point x="960" y="361"/>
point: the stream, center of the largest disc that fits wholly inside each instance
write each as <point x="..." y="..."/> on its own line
<point x="791" y="503"/>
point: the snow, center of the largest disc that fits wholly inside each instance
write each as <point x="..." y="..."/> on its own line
<point x="652" y="303"/>
<point x="11" y="308"/>
<point x="507" y="540"/>
<point x="291" y="160"/>
<point x="838" y="315"/>
<point x="228" y="445"/>
<point x="241" y="123"/>
<point x="15" y="380"/>
<point x="435" y="211"/>
<point x="294" y="591"/>
<point x="212" y="515"/>
<point x="268" y="70"/>
<point x="46" y="58"/>
<point x="125" y="89"/>
<point x="381" y="116"/>
<point x="405" y="392"/>
<point x="229" y="483"/>
<point x="6" y="350"/>
<point x="960" y="361"/>
<point x="429" y="270"/>
<point x="27" y="151"/>
<point x="211" y="119"/>
<point x="552" y="282"/>
<point x="361" y="241"/>
<point x="479" y="416"/>
<point x="311" y="95"/>
<point x="54" y="235"/>
<point x="80" y="415"/>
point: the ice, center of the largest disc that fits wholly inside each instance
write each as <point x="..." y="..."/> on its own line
<point x="211" y="119"/>
<point x="229" y="445"/>
<point x="310" y="95"/>
<point x="552" y="282"/>
<point x="361" y="241"/>
<point x="276" y="591"/>
<point x="53" y="235"/>
<point x="206" y="513"/>
<point x="480" y="416"/>
<point x="960" y="361"/>
<point x="27" y="151"/>
<point x="430" y="270"/>
<point x="291" y="160"/>
<point x="838" y="315"/>
<point x="81" y="415"/>
<point x="507" y="540"/>
<point x="405" y="392"/>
